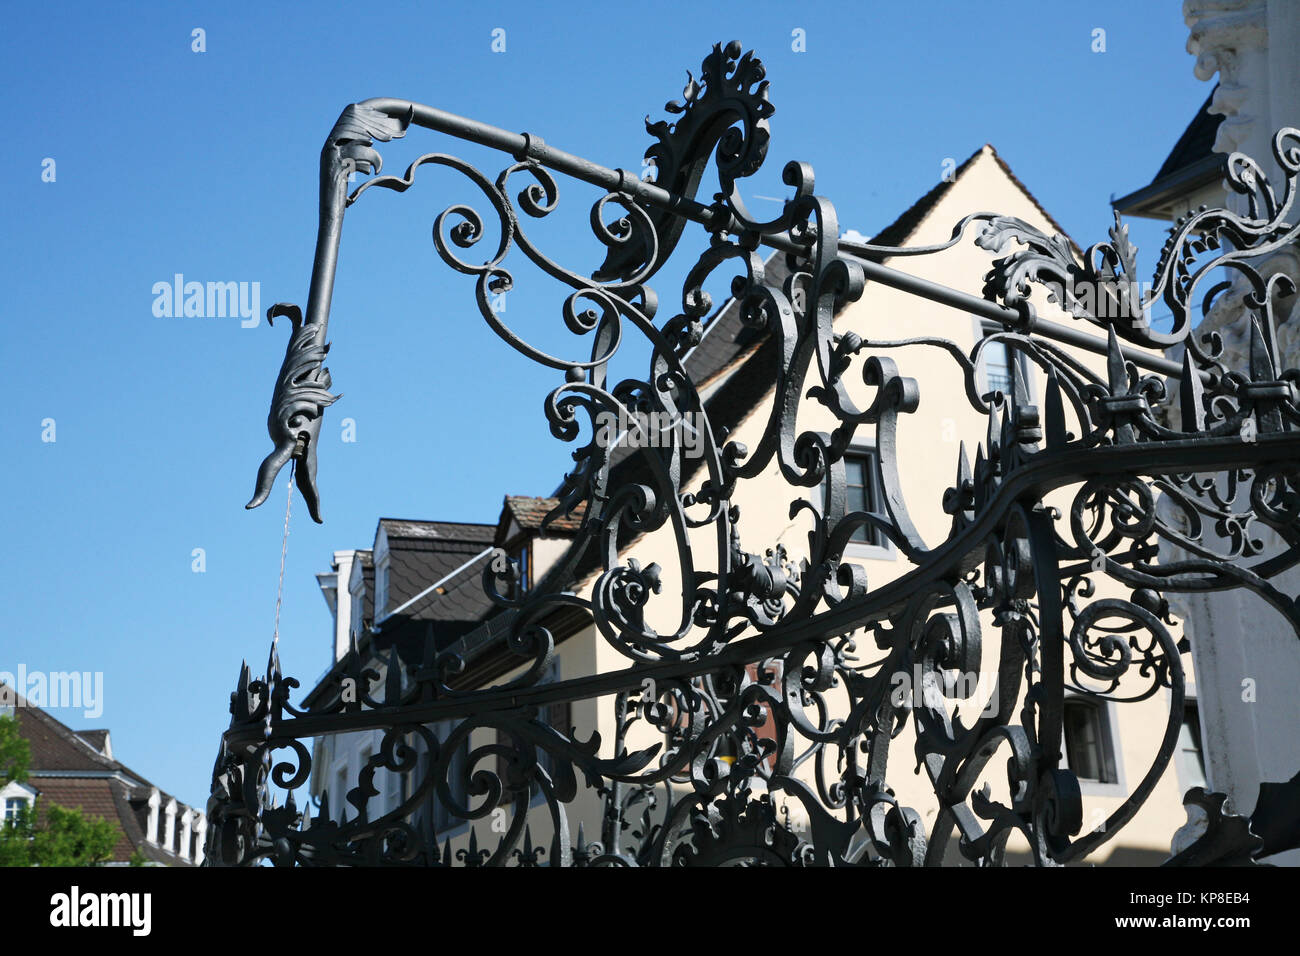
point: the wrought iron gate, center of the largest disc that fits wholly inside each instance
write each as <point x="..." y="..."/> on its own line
<point x="759" y="693"/>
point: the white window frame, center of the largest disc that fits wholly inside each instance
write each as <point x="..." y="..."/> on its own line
<point x="859" y="550"/>
<point x="15" y="791"/>
<point x="1109" y="736"/>
<point x="13" y="805"/>
<point x="1023" y="365"/>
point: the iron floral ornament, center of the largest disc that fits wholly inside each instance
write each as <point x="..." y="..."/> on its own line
<point x="765" y="708"/>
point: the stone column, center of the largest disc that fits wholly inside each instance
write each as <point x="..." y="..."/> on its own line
<point x="1247" y="658"/>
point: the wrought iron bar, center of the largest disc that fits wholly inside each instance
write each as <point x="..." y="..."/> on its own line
<point x="527" y="146"/>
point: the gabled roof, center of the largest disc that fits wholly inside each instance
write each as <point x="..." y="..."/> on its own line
<point x="741" y="362"/>
<point x="68" y="768"/>
<point x="898" y="232"/>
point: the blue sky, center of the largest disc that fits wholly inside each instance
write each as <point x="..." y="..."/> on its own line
<point x="172" y="161"/>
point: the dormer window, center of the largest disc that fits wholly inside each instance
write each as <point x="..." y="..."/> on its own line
<point x="200" y="835"/>
<point x="14" y="807"/>
<point x="167" y="839"/>
<point x="151" y="830"/>
<point x="183" y="843"/>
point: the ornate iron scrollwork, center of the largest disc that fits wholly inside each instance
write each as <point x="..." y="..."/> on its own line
<point x="765" y="707"/>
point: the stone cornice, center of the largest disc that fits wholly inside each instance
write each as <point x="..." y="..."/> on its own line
<point x="1221" y="32"/>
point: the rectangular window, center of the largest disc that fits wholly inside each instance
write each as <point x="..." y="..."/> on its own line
<point x="1088" y="746"/>
<point x="13" y="807"/>
<point x="1191" y="759"/>
<point x="1001" y="365"/>
<point x="443" y="818"/>
<point x="339" y="799"/>
<point x="862" y="488"/>
<point x="525" y="570"/>
<point x="997" y="368"/>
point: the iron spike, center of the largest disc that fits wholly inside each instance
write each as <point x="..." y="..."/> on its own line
<point x="1191" y="395"/>
<point x="1054" y="412"/>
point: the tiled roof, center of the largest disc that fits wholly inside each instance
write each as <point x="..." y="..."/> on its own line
<point x="108" y="789"/>
<point x="725" y="336"/>
<point x="440" y="530"/>
<point x="422" y="553"/>
<point x="93" y="796"/>
<point x="412" y="572"/>
<point x="55" y="746"/>
<point x="133" y="812"/>
<point x="110" y="799"/>
<point x="529" y="512"/>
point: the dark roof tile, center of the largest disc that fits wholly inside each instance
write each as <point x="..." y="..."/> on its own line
<point x="440" y="530"/>
<point x="530" y="512"/>
<point x="1196" y="142"/>
<point x="56" y="748"/>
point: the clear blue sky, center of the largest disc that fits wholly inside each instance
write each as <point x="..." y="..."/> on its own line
<point x="169" y="161"/>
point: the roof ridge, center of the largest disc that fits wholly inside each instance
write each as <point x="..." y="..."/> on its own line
<point x="1006" y="168"/>
<point x="62" y="730"/>
<point x="425" y="520"/>
<point x="915" y="216"/>
<point x="66" y="733"/>
<point x="910" y="219"/>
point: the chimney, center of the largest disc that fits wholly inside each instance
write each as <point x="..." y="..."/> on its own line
<point x="334" y="588"/>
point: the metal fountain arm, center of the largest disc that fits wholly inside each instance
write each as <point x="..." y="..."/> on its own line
<point x="301" y="392"/>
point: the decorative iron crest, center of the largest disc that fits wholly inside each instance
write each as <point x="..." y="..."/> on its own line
<point x="763" y="694"/>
